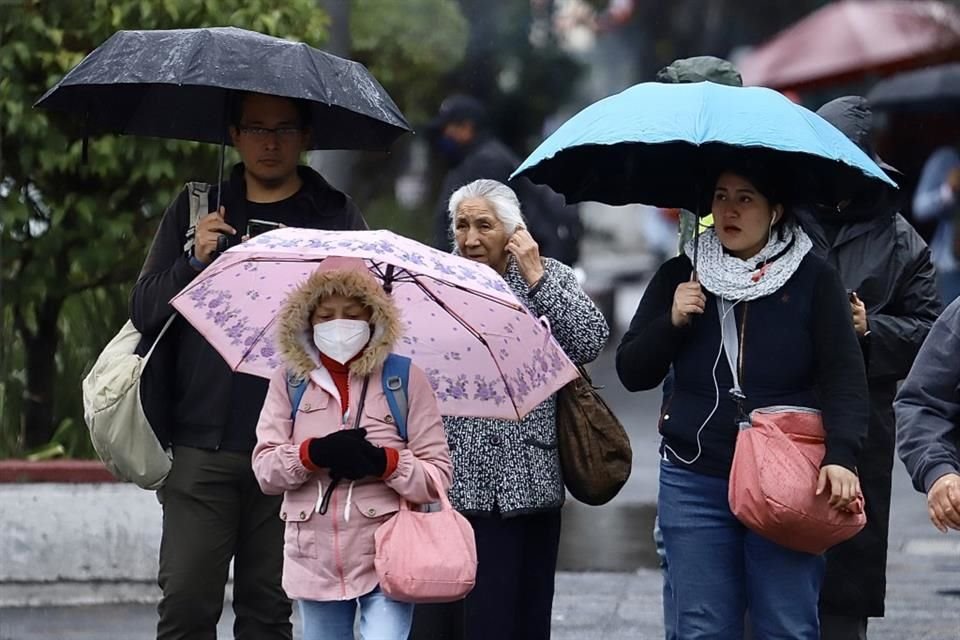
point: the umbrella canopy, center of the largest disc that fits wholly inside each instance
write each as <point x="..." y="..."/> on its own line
<point x="848" y="39"/>
<point x="483" y="352"/>
<point x="934" y="89"/>
<point x="176" y="84"/>
<point x="659" y="144"/>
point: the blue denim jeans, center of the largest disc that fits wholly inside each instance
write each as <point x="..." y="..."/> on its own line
<point x="669" y="610"/>
<point x="720" y="570"/>
<point x="380" y="618"/>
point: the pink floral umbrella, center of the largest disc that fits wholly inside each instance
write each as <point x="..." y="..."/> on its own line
<point x="484" y="353"/>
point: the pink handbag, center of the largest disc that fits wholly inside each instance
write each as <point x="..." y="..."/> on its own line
<point x="773" y="482"/>
<point x="426" y="557"/>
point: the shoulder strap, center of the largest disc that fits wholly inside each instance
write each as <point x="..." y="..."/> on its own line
<point x="199" y="195"/>
<point x="731" y="347"/>
<point x="396" y="379"/>
<point x="295" y="388"/>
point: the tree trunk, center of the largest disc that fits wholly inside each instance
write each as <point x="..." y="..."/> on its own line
<point x="336" y="166"/>
<point x="37" y="420"/>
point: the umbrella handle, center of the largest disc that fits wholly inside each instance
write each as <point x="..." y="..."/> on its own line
<point x="388" y="280"/>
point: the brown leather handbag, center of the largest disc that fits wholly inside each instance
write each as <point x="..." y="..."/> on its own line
<point x="595" y="454"/>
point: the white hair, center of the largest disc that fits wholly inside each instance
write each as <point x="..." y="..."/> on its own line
<point x="501" y="198"/>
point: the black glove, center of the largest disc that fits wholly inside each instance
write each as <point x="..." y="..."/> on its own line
<point x="336" y="446"/>
<point x="348" y="454"/>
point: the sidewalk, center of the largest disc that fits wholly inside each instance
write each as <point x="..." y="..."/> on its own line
<point x="588" y="606"/>
<point x="923" y="597"/>
<point x="623" y="601"/>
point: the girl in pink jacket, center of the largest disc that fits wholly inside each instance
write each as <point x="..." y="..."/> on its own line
<point x="340" y="460"/>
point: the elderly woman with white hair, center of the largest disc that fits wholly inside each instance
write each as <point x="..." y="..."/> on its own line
<point x="506" y="473"/>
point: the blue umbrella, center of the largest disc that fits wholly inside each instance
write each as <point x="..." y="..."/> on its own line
<point x="663" y="144"/>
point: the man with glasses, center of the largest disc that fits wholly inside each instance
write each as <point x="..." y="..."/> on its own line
<point x="213" y="509"/>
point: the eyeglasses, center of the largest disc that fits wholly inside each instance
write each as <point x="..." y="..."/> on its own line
<point x="262" y="133"/>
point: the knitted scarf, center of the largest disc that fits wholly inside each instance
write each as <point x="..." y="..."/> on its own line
<point x="731" y="278"/>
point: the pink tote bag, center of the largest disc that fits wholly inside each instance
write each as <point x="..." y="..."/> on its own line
<point x="426" y="557"/>
<point x="773" y="482"/>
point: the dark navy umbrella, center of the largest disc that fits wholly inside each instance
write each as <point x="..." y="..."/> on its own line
<point x="177" y="83"/>
<point x="932" y="89"/>
<point x="662" y="144"/>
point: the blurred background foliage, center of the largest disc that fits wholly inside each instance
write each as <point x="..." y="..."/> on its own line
<point x="73" y="235"/>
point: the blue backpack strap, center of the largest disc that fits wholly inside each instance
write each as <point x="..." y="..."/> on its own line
<point x="295" y="388"/>
<point x="396" y="379"/>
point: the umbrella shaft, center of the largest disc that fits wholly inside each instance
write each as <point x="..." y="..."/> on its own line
<point x="220" y="174"/>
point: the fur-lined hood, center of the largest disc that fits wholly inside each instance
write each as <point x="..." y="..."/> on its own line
<point x="336" y="276"/>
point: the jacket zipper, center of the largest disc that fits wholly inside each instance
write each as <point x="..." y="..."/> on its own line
<point x="344" y="419"/>
<point x="336" y="546"/>
<point x="742" y="417"/>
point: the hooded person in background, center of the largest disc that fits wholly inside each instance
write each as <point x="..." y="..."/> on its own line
<point x="461" y="134"/>
<point x="680" y="71"/>
<point x="885" y="266"/>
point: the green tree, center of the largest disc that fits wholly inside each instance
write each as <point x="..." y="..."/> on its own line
<point x="73" y="234"/>
<point x="407" y="46"/>
<point x="410" y="47"/>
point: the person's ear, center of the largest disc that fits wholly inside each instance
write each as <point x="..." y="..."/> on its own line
<point x="305" y="137"/>
<point x="234" y="134"/>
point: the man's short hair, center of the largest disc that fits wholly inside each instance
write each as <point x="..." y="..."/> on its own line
<point x="237" y="98"/>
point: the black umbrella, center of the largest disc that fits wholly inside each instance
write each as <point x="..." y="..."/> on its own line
<point x="176" y="84"/>
<point x="934" y="89"/>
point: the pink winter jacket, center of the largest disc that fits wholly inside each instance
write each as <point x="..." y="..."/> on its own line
<point x="330" y="556"/>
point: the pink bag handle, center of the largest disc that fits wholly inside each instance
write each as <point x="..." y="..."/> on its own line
<point x="432" y="476"/>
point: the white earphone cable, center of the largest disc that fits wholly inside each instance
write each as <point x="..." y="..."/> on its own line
<point x="722" y="313"/>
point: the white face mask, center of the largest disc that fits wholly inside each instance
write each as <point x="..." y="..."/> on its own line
<point x="341" y="339"/>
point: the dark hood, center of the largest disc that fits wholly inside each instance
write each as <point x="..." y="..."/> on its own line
<point x="853" y="116"/>
<point x="700" y="69"/>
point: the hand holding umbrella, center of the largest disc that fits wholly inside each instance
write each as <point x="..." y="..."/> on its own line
<point x="207" y="240"/>
<point x="688" y="300"/>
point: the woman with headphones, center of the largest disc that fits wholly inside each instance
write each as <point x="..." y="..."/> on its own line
<point x="762" y="322"/>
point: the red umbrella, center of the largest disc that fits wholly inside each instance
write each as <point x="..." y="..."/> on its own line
<point x="848" y="39"/>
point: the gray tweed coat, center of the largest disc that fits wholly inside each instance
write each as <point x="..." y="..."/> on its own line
<point x="513" y="467"/>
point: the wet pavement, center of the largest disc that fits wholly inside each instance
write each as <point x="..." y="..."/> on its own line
<point x="606" y="587"/>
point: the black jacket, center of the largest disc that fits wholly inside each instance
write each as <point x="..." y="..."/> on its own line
<point x="189" y="393"/>
<point x="798" y="348"/>
<point x="555" y="226"/>
<point x="881" y="257"/>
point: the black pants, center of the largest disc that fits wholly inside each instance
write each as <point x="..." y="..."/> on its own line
<point x="516" y="565"/>
<point x="842" y="627"/>
<point x="213" y="510"/>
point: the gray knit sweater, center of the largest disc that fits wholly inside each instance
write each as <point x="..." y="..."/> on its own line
<point x="513" y="467"/>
